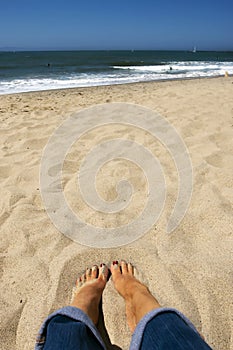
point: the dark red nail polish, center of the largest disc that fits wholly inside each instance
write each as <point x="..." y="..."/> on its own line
<point x="116" y="262"/>
<point x="101" y="265"/>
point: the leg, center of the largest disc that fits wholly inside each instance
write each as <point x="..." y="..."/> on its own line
<point x="74" y="327"/>
<point x="88" y="291"/>
<point x="138" y="300"/>
<point x="63" y="333"/>
<point x="166" y="330"/>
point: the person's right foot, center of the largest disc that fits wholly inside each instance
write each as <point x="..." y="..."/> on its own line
<point x="138" y="299"/>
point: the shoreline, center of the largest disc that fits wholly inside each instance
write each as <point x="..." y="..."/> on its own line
<point x="121" y="84"/>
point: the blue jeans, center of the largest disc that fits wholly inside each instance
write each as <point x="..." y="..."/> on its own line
<point x="161" y="329"/>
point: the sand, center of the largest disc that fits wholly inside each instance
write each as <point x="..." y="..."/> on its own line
<point x="189" y="269"/>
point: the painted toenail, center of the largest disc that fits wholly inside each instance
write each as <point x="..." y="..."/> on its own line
<point x="103" y="269"/>
<point x="115" y="264"/>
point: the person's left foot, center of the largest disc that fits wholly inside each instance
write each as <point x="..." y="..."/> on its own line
<point x="88" y="290"/>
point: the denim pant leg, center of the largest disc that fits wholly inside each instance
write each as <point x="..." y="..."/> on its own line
<point x="69" y="328"/>
<point x="168" y="331"/>
<point x="64" y="333"/>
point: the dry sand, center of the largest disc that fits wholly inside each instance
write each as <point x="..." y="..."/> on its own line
<point x="190" y="269"/>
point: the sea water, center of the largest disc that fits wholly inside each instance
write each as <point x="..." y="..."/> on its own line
<point x="45" y="70"/>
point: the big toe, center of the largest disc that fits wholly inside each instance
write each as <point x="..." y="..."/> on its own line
<point x="103" y="272"/>
<point x="115" y="270"/>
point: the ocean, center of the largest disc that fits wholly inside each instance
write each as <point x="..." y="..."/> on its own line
<point x="45" y="70"/>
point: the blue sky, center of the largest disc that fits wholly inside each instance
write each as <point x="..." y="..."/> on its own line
<point x="93" y="24"/>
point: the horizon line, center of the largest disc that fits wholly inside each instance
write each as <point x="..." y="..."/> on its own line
<point x="131" y="50"/>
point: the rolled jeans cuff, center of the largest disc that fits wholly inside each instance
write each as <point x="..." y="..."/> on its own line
<point x="75" y="314"/>
<point x="139" y="330"/>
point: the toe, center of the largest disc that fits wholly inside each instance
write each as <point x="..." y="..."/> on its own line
<point x="124" y="267"/>
<point x="88" y="274"/>
<point x="115" y="269"/>
<point x="131" y="269"/>
<point x="79" y="282"/>
<point x="94" y="272"/>
<point x="103" y="272"/>
<point x="83" y="277"/>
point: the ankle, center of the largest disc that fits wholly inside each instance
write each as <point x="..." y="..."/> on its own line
<point x="143" y="297"/>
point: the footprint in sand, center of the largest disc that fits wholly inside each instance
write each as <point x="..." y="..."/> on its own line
<point x="215" y="160"/>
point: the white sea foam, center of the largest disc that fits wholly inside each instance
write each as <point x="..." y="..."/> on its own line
<point x="119" y="75"/>
<point x="157" y="68"/>
<point x="182" y="66"/>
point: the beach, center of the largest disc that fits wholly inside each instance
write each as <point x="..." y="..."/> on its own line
<point x="189" y="269"/>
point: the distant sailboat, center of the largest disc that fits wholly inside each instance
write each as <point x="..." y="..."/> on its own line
<point x="194" y="49"/>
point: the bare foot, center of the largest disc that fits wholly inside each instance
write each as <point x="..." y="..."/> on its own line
<point x="88" y="290"/>
<point x="138" y="299"/>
